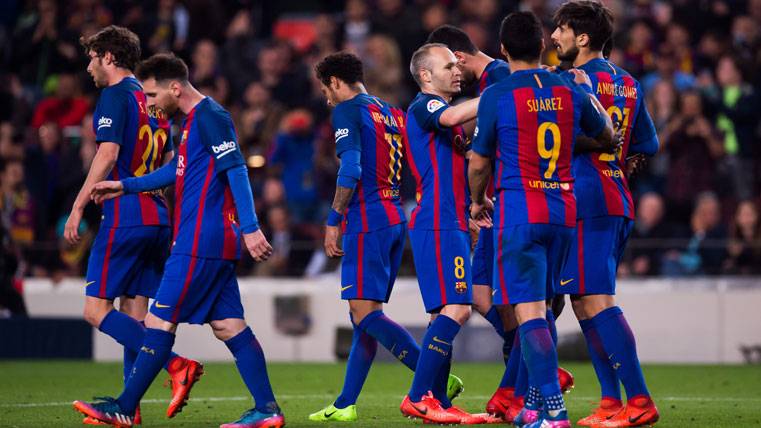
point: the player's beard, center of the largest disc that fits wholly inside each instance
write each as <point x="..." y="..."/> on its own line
<point x="569" y="55"/>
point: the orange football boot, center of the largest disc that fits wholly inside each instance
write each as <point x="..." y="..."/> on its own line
<point x="137" y="420"/>
<point x="608" y="408"/>
<point x="428" y="409"/>
<point x="183" y="374"/>
<point x="639" y="411"/>
<point x="500" y="401"/>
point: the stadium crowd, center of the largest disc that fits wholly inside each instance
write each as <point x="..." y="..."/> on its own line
<point x="698" y="61"/>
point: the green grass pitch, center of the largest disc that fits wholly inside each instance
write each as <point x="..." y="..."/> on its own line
<point x="38" y="394"/>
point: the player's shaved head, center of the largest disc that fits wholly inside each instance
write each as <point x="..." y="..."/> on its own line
<point x="121" y="43"/>
<point x="587" y="17"/>
<point x="163" y="67"/>
<point x="422" y="59"/>
<point x="454" y="38"/>
<point x="522" y="37"/>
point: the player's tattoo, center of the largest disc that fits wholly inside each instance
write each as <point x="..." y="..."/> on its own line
<point x="342" y="198"/>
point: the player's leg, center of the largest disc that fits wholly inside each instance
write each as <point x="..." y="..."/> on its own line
<point x="225" y="315"/>
<point x="445" y="282"/>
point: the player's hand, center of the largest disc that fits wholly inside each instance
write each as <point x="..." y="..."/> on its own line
<point x="550" y="68"/>
<point x="474" y="230"/>
<point x="481" y="213"/>
<point x="257" y="245"/>
<point x="106" y="190"/>
<point x="618" y="138"/>
<point x="580" y="77"/>
<point x="634" y="164"/>
<point x="71" y="229"/>
<point x="333" y="241"/>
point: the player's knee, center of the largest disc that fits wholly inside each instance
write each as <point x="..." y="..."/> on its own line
<point x="459" y="313"/>
<point x="597" y="303"/>
<point x="225" y="330"/>
<point x="136" y="308"/>
<point x="482" y="304"/>
<point x="95" y="311"/>
<point x="578" y="308"/>
<point x="152" y="321"/>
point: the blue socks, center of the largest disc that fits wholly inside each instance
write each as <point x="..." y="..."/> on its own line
<point x="393" y="337"/>
<point x="495" y="320"/>
<point x="154" y="353"/>
<point x="541" y="359"/>
<point x="249" y="358"/>
<point x="621" y="350"/>
<point x="439" y="389"/>
<point x="510" y="377"/>
<point x="550" y="316"/>
<point x="363" y="349"/>
<point x="436" y="350"/>
<point x="605" y="374"/>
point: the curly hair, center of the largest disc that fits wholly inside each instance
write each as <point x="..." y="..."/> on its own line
<point x="123" y="44"/>
<point x="341" y="65"/>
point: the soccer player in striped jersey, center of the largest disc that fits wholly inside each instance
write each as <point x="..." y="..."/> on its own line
<point x="507" y="400"/>
<point x="128" y="255"/>
<point x="366" y="224"/>
<point x="214" y="206"/>
<point x="436" y="150"/>
<point x="605" y="213"/>
<point x="529" y="122"/>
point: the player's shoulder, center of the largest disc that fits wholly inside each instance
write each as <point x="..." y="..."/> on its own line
<point x="600" y="65"/>
<point x="211" y="112"/>
<point x="498" y="69"/>
<point x="120" y="92"/>
<point x="427" y="103"/>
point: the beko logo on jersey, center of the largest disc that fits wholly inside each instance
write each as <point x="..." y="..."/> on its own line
<point x="475" y="132"/>
<point x="434" y="105"/>
<point x="340" y="133"/>
<point x="104" y="122"/>
<point x="224" y="148"/>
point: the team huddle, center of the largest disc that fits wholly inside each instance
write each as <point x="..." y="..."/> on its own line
<point x="527" y="206"/>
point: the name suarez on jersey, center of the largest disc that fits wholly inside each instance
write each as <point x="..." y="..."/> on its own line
<point x="612" y="89"/>
<point x="544" y="104"/>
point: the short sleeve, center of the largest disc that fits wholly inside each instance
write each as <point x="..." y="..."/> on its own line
<point x="592" y="120"/>
<point x="346" y="128"/>
<point x="427" y="112"/>
<point x="645" y="136"/>
<point x="110" y="116"/>
<point x="218" y="135"/>
<point x="485" y="135"/>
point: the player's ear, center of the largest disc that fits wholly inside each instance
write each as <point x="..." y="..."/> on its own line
<point x="503" y="51"/>
<point x="544" y="45"/>
<point x="335" y="84"/>
<point x="582" y="40"/>
<point x="425" y="75"/>
<point x="461" y="58"/>
<point x="108" y="57"/>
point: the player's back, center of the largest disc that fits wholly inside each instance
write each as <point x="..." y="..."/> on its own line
<point x="535" y="119"/>
<point x="436" y="156"/>
<point x="122" y="117"/>
<point x="375" y="203"/>
<point x="602" y="186"/>
<point x="495" y="71"/>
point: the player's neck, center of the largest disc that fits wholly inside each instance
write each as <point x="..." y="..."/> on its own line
<point x="524" y="65"/>
<point x="430" y="91"/>
<point x="118" y="75"/>
<point x="480" y="61"/>
<point x="189" y="99"/>
<point x="585" y="56"/>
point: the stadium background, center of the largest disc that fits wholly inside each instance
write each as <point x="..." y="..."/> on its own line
<point x="689" y="279"/>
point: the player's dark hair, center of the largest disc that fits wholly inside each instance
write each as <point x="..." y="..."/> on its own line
<point x="454" y="38"/>
<point x="163" y="67"/>
<point x="123" y="44"/>
<point x="341" y="65"/>
<point x="521" y="35"/>
<point x="587" y="17"/>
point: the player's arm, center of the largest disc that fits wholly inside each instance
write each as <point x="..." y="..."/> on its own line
<point x="110" y="119"/>
<point x="349" y="150"/>
<point x="218" y="130"/>
<point x="644" y="136"/>
<point x="597" y="126"/>
<point x="158" y="179"/>
<point x="459" y="114"/>
<point x="480" y="164"/>
<point x="101" y="166"/>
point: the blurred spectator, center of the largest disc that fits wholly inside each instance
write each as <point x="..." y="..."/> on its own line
<point x="11" y="299"/>
<point x="693" y="147"/>
<point x="356" y="25"/>
<point x="167" y="28"/>
<point x="259" y="120"/>
<point x="737" y="105"/>
<point x="383" y="70"/>
<point x="678" y="38"/>
<point x="704" y="252"/>
<point x="667" y="68"/>
<point x="287" y="83"/>
<point x="644" y="253"/>
<point x="205" y="72"/>
<point x="65" y="108"/>
<point x="638" y="54"/>
<point x="239" y="53"/>
<point x="293" y="158"/>
<point x="744" y="247"/>
<point x="292" y="249"/>
<point x="16" y="205"/>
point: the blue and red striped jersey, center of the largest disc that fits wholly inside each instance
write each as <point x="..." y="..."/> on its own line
<point x="436" y="156"/>
<point x="493" y="73"/>
<point x="601" y="185"/>
<point x="205" y="218"/>
<point x="376" y="129"/>
<point x="529" y="122"/>
<point x="121" y="117"/>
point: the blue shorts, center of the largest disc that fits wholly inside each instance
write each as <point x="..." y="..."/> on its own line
<point x="196" y="290"/>
<point x="371" y="262"/>
<point x="596" y="250"/>
<point x="442" y="263"/>
<point x="483" y="258"/>
<point x="127" y="261"/>
<point x="528" y="262"/>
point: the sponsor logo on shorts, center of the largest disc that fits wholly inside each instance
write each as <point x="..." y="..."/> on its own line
<point x="88" y="284"/>
<point x="565" y="281"/>
<point x="160" y="306"/>
<point x="347" y="287"/>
